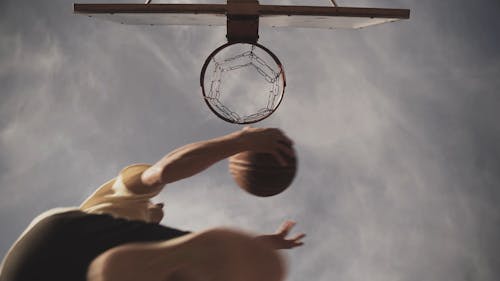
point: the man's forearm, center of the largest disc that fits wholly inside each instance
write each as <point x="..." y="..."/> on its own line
<point x="193" y="158"/>
<point x="196" y="157"/>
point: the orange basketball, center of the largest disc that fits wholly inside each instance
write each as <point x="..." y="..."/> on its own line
<point x="261" y="174"/>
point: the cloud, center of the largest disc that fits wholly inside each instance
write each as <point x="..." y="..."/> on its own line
<point x="395" y="128"/>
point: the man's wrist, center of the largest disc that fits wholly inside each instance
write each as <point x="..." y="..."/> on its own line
<point x="239" y="141"/>
<point x="265" y="239"/>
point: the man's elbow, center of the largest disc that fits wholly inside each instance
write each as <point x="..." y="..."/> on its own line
<point x="152" y="176"/>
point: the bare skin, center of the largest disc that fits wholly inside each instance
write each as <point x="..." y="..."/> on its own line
<point x="215" y="254"/>
<point x="193" y="158"/>
<point x="279" y="240"/>
<point x="212" y="255"/>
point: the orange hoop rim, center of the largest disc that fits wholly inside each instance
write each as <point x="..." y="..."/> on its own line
<point x="214" y="53"/>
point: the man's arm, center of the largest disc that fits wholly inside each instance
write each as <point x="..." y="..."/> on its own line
<point x="193" y="158"/>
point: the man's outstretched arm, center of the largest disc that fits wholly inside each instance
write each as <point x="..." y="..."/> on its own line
<point x="193" y="158"/>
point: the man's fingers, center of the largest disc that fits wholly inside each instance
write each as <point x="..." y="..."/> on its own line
<point x="283" y="153"/>
<point x="293" y="244"/>
<point x="286" y="149"/>
<point x="298" y="237"/>
<point x="285" y="227"/>
<point x="280" y="158"/>
<point x="285" y="140"/>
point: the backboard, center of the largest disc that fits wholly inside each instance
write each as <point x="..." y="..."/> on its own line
<point x="269" y="15"/>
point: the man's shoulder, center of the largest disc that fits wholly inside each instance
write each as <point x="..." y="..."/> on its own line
<point x="51" y="212"/>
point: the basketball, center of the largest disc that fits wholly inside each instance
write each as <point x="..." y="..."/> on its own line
<point x="261" y="174"/>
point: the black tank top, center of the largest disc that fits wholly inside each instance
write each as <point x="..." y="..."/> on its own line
<point x="62" y="246"/>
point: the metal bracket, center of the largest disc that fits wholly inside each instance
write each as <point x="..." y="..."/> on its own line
<point x="242" y="21"/>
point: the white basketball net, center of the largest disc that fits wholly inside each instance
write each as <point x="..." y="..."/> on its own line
<point x="245" y="84"/>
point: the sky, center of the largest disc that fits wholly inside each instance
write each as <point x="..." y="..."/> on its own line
<point x="395" y="128"/>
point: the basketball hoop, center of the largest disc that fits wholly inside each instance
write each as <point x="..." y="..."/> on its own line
<point x="242" y="82"/>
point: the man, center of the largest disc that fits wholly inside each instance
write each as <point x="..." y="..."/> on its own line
<point x="115" y="234"/>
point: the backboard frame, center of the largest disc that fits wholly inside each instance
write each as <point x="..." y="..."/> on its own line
<point x="120" y="12"/>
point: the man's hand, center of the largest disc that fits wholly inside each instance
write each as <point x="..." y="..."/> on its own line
<point x="278" y="240"/>
<point x="268" y="140"/>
